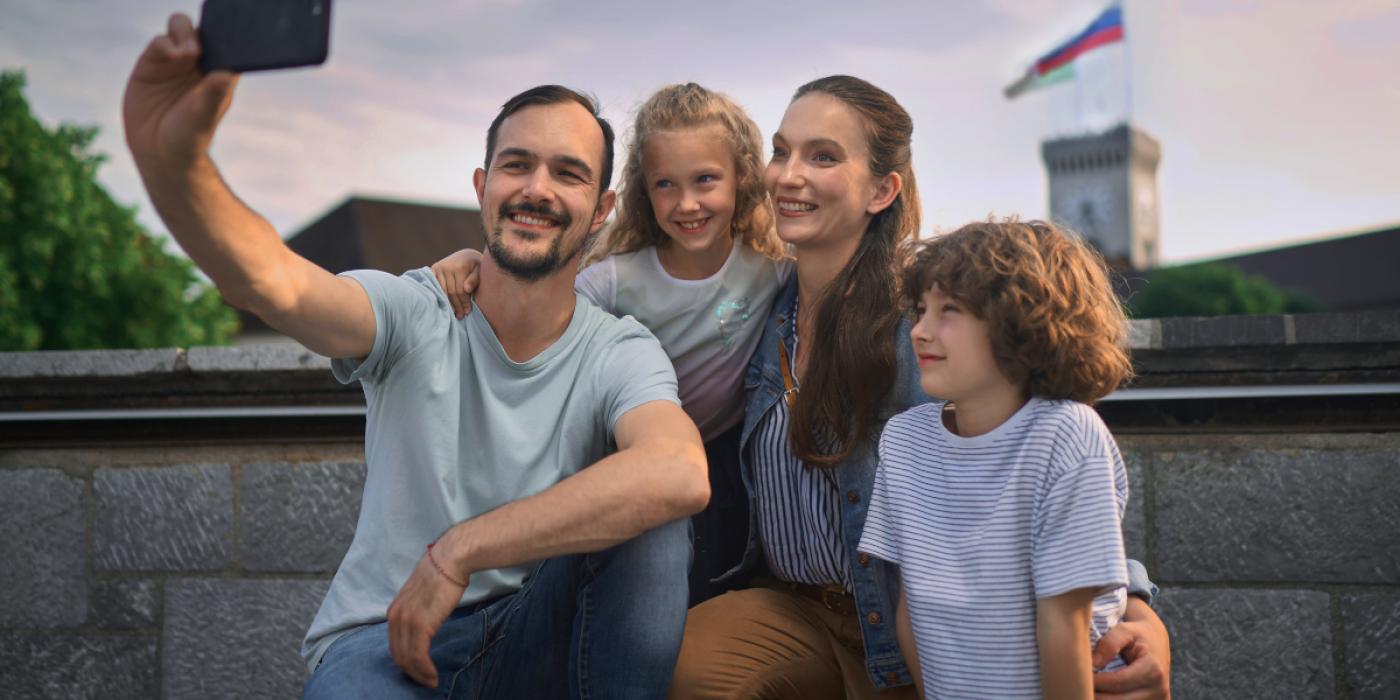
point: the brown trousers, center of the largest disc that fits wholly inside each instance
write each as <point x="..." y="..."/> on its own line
<point x="773" y="644"/>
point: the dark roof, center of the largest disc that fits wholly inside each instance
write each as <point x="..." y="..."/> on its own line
<point x="379" y="234"/>
<point x="1352" y="273"/>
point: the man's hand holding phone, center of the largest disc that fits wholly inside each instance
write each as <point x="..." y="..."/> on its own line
<point x="171" y="109"/>
<point x="183" y="83"/>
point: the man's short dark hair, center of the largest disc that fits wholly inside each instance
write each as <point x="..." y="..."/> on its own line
<point x="553" y="95"/>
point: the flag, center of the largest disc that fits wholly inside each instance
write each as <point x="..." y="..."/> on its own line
<point x="1058" y="65"/>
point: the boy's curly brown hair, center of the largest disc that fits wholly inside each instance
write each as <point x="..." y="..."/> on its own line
<point x="1057" y="328"/>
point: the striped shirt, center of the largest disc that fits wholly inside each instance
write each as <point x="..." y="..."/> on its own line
<point x="981" y="527"/>
<point x="799" y="507"/>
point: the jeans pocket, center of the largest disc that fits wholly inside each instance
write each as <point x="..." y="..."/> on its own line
<point x="476" y="672"/>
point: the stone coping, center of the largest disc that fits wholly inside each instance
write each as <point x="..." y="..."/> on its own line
<point x="134" y="363"/>
<point x="1320" y="329"/>
<point x="1327" y="348"/>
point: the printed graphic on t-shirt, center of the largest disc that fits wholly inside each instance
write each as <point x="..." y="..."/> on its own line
<point x="731" y="314"/>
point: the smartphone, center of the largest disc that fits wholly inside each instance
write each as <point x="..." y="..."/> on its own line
<point x="249" y="35"/>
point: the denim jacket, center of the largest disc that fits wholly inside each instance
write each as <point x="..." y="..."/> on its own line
<point x="876" y="581"/>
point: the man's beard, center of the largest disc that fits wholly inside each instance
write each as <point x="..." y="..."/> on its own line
<point x="527" y="269"/>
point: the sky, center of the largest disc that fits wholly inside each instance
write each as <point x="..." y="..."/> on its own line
<point x="1277" y="118"/>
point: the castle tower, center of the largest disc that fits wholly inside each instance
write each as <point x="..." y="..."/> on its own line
<point x="1105" y="187"/>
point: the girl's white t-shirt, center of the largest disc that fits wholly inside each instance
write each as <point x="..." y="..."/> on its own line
<point x="709" y="328"/>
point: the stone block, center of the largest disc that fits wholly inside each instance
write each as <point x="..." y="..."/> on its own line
<point x="1354" y="327"/>
<point x="1135" y="518"/>
<point x="1278" y="515"/>
<point x="255" y="358"/>
<point x="125" y="604"/>
<point x="298" y="517"/>
<point x="236" y="638"/>
<point x="163" y="518"/>
<point x="1249" y="643"/>
<point x="1222" y="332"/>
<point x="1144" y="334"/>
<point x="43" y="575"/>
<point x="118" y="667"/>
<point x="1371" y="644"/>
<point x="88" y="363"/>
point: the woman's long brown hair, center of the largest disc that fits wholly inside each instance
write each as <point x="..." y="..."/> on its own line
<point x="851" y="362"/>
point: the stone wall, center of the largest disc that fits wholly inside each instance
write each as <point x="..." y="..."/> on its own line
<point x="187" y="572"/>
<point x="181" y="551"/>
<point x="1278" y="557"/>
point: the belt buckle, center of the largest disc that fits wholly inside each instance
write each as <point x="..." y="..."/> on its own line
<point x="830" y="599"/>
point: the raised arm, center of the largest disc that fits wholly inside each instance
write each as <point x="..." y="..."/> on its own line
<point x="658" y="474"/>
<point x="171" y="112"/>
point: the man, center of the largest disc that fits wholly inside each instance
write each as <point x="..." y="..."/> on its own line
<point x="487" y="439"/>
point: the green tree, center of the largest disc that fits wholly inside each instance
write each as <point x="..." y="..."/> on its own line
<point x="76" y="269"/>
<point x="1213" y="289"/>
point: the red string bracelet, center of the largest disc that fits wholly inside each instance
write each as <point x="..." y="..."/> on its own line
<point x="441" y="570"/>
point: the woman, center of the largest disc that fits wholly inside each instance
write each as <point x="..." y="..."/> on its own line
<point x="834" y="363"/>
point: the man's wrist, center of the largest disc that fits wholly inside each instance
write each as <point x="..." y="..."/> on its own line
<point x="452" y="579"/>
<point x="454" y="552"/>
<point x="174" y="173"/>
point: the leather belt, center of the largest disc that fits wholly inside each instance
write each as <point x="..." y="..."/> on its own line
<point x="832" y="596"/>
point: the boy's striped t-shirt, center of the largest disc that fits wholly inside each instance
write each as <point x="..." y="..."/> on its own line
<point x="983" y="526"/>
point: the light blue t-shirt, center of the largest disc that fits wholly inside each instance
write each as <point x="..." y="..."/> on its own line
<point x="456" y="428"/>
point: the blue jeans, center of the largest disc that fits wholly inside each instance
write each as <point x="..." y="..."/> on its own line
<point x="721" y="528"/>
<point x="600" y="625"/>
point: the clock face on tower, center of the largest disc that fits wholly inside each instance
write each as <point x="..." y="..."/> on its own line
<point x="1104" y="186"/>
<point x="1090" y="212"/>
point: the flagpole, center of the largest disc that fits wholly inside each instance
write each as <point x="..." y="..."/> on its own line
<point x="1128" y="68"/>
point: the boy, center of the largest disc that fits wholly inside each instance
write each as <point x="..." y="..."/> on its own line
<point x="1002" y="503"/>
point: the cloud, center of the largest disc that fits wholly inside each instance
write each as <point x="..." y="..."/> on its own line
<point x="1275" y="117"/>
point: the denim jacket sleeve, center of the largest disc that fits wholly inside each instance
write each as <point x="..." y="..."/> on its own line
<point x="1138" y="582"/>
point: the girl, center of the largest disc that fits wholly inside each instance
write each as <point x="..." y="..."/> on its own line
<point x="693" y="257"/>
<point x="1002" y="505"/>
<point x="832" y="366"/>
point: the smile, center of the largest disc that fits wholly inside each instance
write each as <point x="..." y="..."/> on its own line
<point x="693" y="226"/>
<point x="528" y="220"/>
<point x="789" y="206"/>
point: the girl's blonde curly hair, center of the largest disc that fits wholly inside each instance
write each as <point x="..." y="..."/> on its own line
<point x="1057" y="328"/>
<point x="690" y="106"/>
